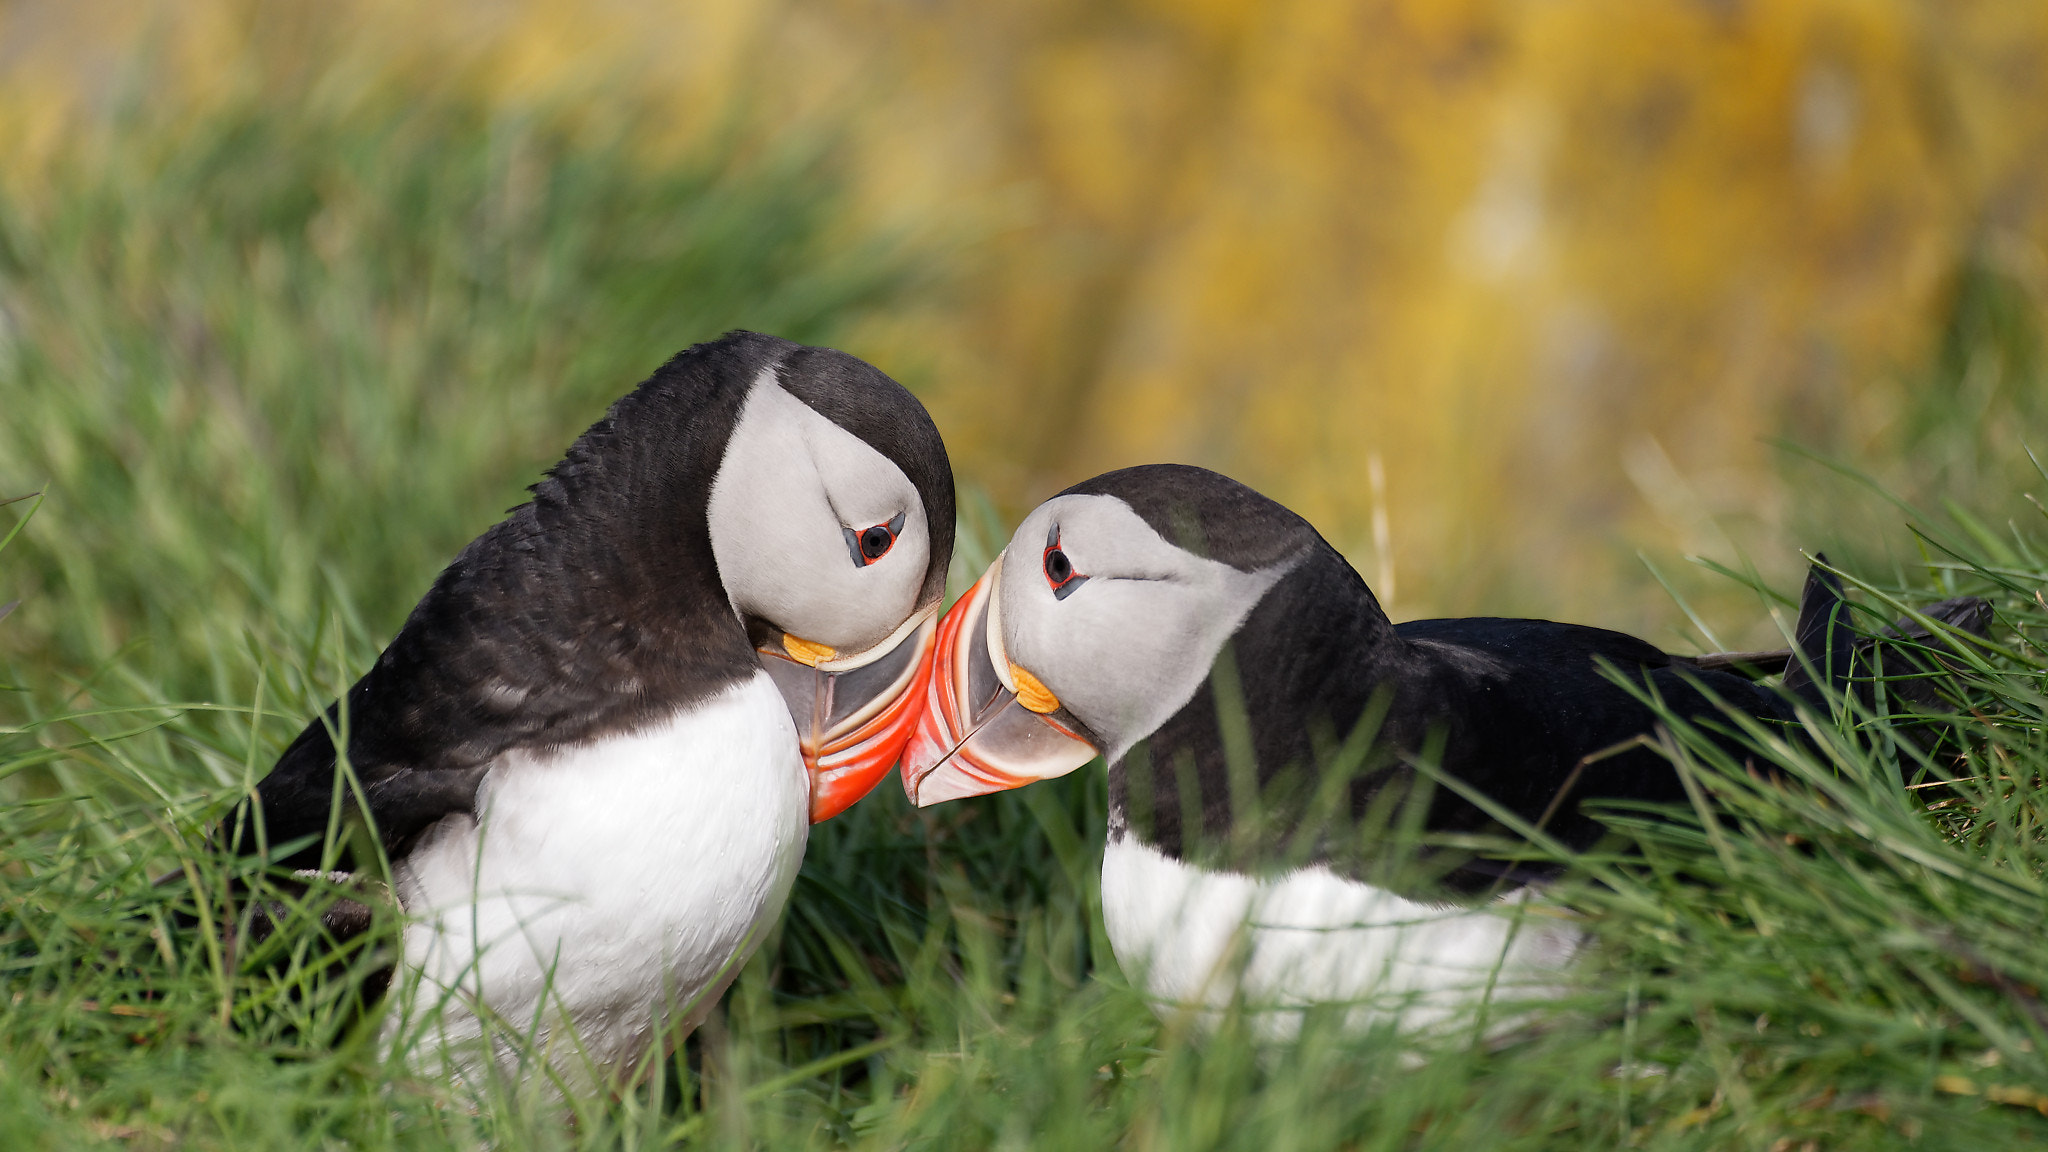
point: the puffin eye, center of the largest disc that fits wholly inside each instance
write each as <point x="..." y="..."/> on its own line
<point x="1059" y="569"/>
<point x="871" y="544"/>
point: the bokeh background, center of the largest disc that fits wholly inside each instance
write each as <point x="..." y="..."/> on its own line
<point x="1507" y="296"/>
<point x="1523" y="302"/>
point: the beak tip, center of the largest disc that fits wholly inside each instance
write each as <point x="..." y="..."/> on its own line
<point x="915" y="771"/>
<point x="944" y="782"/>
<point x="966" y="747"/>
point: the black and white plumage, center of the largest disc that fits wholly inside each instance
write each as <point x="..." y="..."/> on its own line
<point x="575" y="752"/>
<point x="1216" y="650"/>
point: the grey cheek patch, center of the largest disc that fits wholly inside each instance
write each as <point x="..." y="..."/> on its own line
<point x="793" y="495"/>
<point x="1129" y="652"/>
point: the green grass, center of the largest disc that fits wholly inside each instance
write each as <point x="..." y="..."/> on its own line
<point x="272" y="366"/>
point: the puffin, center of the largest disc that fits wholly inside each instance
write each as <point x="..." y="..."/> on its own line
<point x="1308" y="804"/>
<point x="593" y="752"/>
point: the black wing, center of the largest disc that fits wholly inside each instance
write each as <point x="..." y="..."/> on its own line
<point x="591" y="610"/>
<point x="1534" y="722"/>
<point x="506" y="651"/>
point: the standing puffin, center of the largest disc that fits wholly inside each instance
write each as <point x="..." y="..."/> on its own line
<point x="1224" y="660"/>
<point x="578" y="752"/>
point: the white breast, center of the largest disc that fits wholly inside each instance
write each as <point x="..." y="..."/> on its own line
<point x="618" y="886"/>
<point x="1193" y="939"/>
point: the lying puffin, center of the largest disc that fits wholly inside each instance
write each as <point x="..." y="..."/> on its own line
<point x="593" y="752"/>
<point x="1268" y="834"/>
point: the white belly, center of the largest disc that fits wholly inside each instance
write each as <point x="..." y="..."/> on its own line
<point x="617" y="886"/>
<point x="1195" y="939"/>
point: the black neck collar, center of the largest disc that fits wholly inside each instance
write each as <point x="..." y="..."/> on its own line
<point x="1292" y="683"/>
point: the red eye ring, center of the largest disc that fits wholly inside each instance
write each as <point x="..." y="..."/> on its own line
<point x="871" y="544"/>
<point x="1060" y="573"/>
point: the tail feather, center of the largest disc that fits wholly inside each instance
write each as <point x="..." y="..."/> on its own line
<point x="1823" y="641"/>
<point x="1971" y="614"/>
<point x="1919" y="664"/>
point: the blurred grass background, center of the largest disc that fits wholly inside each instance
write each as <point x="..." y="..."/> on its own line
<point x="1560" y="275"/>
<point x="296" y="299"/>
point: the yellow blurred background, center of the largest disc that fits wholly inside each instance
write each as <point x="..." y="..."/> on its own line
<point x="1496" y="292"/>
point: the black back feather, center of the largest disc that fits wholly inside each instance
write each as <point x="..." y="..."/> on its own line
<point x="591" y="610"/>
<point x="1522" y="711"/>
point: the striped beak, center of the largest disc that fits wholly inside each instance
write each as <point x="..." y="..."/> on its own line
<point x="854" y="714"/>
<point x="987" y="725"/>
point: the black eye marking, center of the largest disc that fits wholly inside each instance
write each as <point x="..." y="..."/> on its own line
<point x="1059" y="569"/>
<point x="871" y="544"/>
<point x="874" y="542"/>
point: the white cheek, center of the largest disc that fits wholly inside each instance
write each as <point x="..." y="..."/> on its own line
<point x="790" y="485"/>
<point x="1121" y="654"/>
<point x="1113" y="651"/>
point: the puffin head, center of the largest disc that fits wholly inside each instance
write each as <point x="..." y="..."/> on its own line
<point x="1097" y="624"/>
<point x="831" y="526"/>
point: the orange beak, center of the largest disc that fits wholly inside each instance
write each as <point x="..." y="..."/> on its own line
<point x="853" y="714"/>
<point x="976" y="733"/>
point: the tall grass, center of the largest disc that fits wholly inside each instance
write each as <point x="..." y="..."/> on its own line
<point x="273" y="366"/>
<point x="289" y="354"/>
